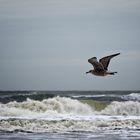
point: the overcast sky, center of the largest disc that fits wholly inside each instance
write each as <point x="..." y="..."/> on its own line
<point x="45" y="44"/>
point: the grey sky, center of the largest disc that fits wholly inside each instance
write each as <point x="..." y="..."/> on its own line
<point x="45" y="44"/>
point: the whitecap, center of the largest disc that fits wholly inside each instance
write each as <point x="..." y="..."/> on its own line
<point x="48" y="107"/>
<point x="128" y="108"/>
<point x="132" y="96"/>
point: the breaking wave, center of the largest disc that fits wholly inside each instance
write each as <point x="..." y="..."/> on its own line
<point x="66" y="114"/>
<point x="129" y="108"/>
<point x="58" y="104"/>
<point x="132" y="96"/>
<point x="64" y="105"/>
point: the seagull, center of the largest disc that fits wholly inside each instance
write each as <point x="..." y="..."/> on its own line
<point x="101" y="67"/>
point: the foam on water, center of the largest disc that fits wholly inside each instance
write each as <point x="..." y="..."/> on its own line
<point x="66" y="114"/>
<point x="87" y="96"/>
<point x="132" y="96"/>
<point x="61" y="105"/>
<point x="35" y="125"/>
<point x="129" y="108"/>
<point x="64" y="106"/>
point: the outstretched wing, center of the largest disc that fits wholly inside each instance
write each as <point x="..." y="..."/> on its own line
<point x="97" y="66"/>
<point x="105" y="60"/>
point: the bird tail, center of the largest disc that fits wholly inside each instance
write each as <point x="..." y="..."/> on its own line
<point x="112" y="73"/>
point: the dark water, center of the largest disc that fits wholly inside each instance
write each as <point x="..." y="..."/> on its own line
<point x="66" y="115"/>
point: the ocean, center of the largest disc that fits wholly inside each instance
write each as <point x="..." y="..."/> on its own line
<point x="70" y="115"/>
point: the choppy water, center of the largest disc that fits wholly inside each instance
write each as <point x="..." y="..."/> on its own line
<point x="70" y="115"/>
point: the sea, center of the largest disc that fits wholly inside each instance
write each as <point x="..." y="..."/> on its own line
<point x="69" y="115"/>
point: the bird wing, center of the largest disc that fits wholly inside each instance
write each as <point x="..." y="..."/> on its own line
<point x="97" y="66"/>
<point x="105" y="60"/>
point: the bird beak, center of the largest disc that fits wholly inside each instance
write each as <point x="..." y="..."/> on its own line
<point x="87" y="72"/>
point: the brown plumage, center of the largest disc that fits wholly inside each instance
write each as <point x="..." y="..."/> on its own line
<point x="101" y="67"/>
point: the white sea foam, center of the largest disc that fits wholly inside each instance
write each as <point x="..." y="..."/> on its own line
<point x="66" y="125"/>
<point x="53" y="106"/>
<point x="62" y="107"/>
<point x="65" y="114"/>
<point x="88" y="96"/>
<point x="129" y="108"/>
<point x="132" y="96"/>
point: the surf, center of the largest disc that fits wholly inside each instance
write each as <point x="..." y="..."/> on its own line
<point x="67" y="114"/>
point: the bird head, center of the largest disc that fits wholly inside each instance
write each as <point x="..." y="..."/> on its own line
<point x="90" y="71"/>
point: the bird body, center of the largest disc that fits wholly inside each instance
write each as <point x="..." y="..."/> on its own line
<point x="101" y="67"/>
<point x="101" y="73"/>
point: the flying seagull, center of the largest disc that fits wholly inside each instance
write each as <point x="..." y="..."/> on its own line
<point x="101" y="67"/>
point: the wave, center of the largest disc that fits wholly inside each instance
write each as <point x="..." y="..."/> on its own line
<point x="57" y="104"/>
<point x="132" y="96"/>
<point x="109" y="96"/>
<point x="87" y="96"/>
<point x="20" y="96"/>
<point x="24" y="125"/>
<point x="129" y="108"/>
<point x="66" y="114"/>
